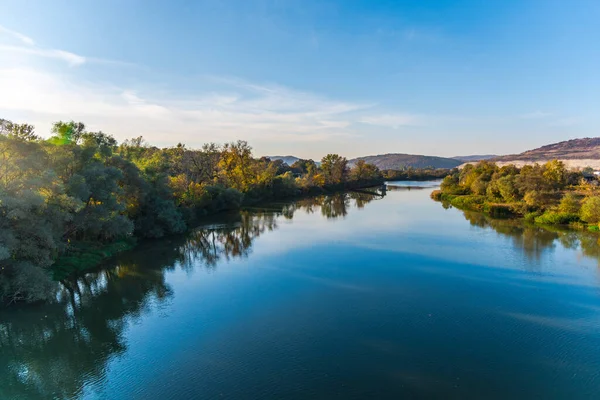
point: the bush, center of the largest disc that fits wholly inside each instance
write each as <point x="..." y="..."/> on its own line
<point x="468" y="202"/>
<point x="436" y="195"/>
<point x="531" y="216"/>
<point x="556" y="218"/>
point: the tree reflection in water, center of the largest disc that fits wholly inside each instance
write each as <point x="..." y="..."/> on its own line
<point x="51" y="351"/>
<point x="534" y="240"/>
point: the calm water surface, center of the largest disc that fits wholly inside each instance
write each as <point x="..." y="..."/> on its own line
<point x="343" y="297"/>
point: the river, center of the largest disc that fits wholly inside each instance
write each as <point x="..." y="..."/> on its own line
<point x="349" y="296"/>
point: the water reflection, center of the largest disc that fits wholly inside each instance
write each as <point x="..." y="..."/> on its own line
<point x="50" y="351"/>
<point x="401" y="188"/>
<point x="535" y="240"/>
<point x="55" y="350"/>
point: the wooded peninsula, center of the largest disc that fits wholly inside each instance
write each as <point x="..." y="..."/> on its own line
<point x="72" y="200"/>
<point x="547" y="194"/>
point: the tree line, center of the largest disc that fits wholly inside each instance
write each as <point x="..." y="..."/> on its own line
<point x="415" y="174"/>
<point x="547" y="193"/>
<point x="70" y="200"/>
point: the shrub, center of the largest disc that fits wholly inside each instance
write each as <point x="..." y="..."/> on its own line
<point x="468" y="202"/>
<point x="556" y="218"/>
<point x="531" y="216"/>
<point x="436" y="195"/>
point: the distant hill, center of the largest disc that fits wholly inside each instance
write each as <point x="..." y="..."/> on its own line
<point x="289" y="160"/>
<point x="401" y="161"/>
<point x="477" y="157"/>
<point x="575" y="149"/>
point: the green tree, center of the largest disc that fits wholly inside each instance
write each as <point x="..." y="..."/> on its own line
<point x="33" y="211"/>
<point x="590" y="210"/>
<point x="67" y="132"/>
<point x="507" y="188"/>
<point x="450" y="185"/>
<point x="555" y="174"/>
<point x="301" y="167"/>
<point x="364" y="172"/>
<point x="81" y="192"/>
<point x="18" y="131"/>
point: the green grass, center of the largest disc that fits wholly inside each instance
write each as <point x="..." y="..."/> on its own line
<point x="556" y="218"/>
<point x="474" y="203"/>
<point x="82" y="256"/>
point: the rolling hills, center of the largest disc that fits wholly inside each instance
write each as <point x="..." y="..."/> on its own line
<point x="473" y="158"/>
<point x="289" y="160"/>
<point x="575" y="153"/>
<point x="400" y="161"/>
<point x="575" y="149"/>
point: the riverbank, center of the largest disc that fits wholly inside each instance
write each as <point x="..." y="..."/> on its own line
<point x="547" y="218"/>
<point x="76" y="197"/>
<point x="547" y="194"/>
<point x="86" y="256"/>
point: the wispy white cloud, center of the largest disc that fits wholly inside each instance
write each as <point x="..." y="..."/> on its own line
<point x="255" y="112"/>
<point x="29" y="47"/>
<point x="70" y="58"/>
<point x="228" y="108"/>
<point x="392" y="120"/>
<point x="23" y="38"/>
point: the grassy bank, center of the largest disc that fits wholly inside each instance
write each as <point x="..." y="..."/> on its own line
<point x="476" y="203"/>
<point x="548" y="218"/>
<point x="82" y="256"/>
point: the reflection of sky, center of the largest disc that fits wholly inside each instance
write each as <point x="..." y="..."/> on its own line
<point x="422" y="184"/>
<point x="410" y="222"/>
<point x="396" y="274"/>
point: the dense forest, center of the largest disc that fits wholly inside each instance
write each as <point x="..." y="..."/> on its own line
<point x="69" y="201"/>
<point x="542" y="193"/>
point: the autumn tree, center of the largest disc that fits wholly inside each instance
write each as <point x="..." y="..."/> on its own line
<point x="334" y="168"/>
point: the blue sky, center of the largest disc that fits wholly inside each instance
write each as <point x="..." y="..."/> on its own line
<point x="308" y="77"/>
